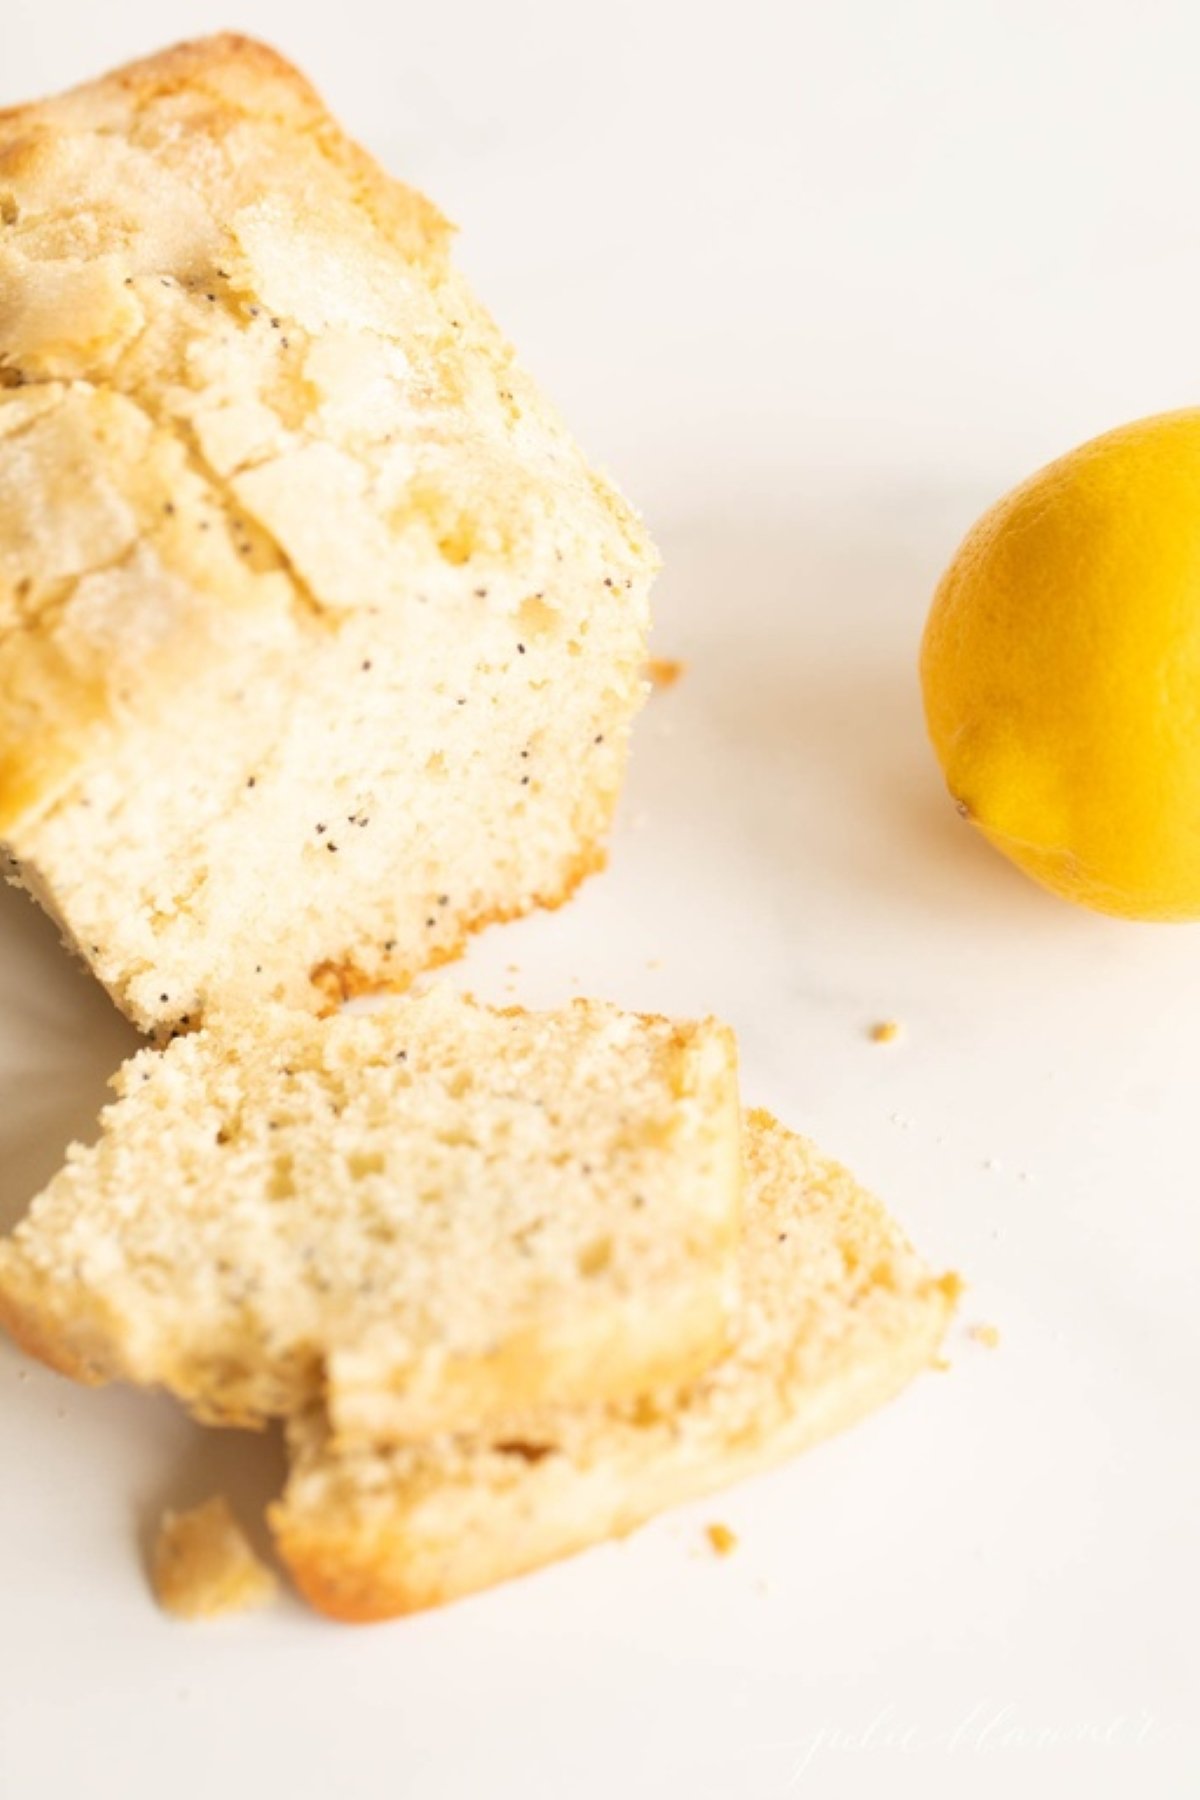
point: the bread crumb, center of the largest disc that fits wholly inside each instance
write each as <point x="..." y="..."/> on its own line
<point x="987" y="1335"/>
<point x="724" y="1542"/>
<point x="203" y="1566"/>
<point x="663" y="672"/>
<point x="886" y="1031"/>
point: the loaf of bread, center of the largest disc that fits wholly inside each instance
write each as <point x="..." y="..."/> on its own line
<point x="319" y="640"/>
<point x="838" y="1314"/>
<point x="431" y="1214"/>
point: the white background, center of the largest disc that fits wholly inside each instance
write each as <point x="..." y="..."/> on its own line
<point x="816" y="281"/>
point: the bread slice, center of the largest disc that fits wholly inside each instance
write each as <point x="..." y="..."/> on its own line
<point x="430" y="1214"/>
<point x="839" y="1313"/>
<point x="319" y="639"/>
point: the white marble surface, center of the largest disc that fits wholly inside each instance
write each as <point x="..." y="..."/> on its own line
<point x="817" y="282"/>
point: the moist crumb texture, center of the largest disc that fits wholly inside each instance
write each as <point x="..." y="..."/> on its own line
<point x="429" y="1215"/>
<point x="838" y="1313"/>
<point x="319" y="639"/>
<point x="203" y="1566"/>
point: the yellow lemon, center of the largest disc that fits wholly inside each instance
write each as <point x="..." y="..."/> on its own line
<point x="1061" y="672"/>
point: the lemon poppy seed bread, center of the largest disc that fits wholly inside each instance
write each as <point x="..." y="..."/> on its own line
<point x="425" y="1215"/>
<point x="319" y="639"/>
<point x="838" y="1314"/>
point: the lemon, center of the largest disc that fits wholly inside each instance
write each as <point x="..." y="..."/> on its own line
<point x="1061" y="672"/>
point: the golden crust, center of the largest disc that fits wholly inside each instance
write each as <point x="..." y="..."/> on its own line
<point x="201" y="261"/>
<point x="50" y="1339"/>
<point x="343" y="978"/>
<point x="67" y="310"/>
<point x="106" y="597"/>
<point x="239" y="77"/>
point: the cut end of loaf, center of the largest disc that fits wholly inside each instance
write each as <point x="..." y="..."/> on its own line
<point x="324" y="640"/>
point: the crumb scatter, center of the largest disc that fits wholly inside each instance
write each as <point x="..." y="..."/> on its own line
<point x="203" y="1566"/>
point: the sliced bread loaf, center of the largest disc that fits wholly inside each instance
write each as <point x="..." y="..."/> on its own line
<point x="838" y="1314"/>
<point x="319" y="639"/>
<point x="429" y="1214"/>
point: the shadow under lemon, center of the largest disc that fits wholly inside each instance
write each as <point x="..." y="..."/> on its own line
<point x="802" y="704"/>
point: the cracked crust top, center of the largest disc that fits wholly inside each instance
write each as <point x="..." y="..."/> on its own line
<point x="242" y="390"/>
